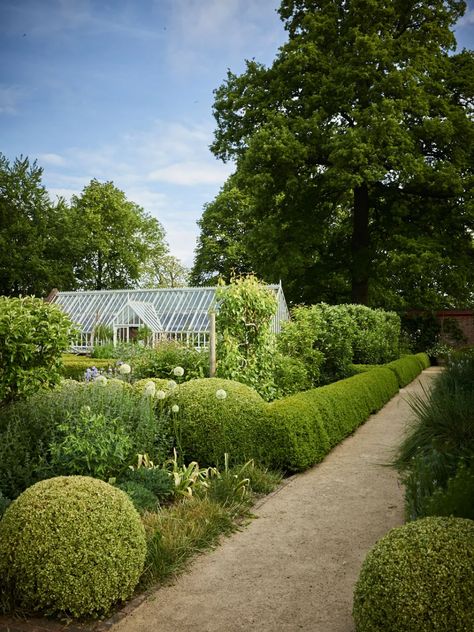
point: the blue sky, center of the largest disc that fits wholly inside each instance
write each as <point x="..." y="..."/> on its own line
<point x="122" y="90"/>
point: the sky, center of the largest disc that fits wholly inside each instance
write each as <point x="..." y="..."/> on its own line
<point x="122" y="91"/>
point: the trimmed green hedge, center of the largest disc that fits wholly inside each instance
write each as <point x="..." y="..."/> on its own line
<point x="424" y="360"/>
<point x="301" y="429"/>
<point x="406" y="369"/>
<point x="75" y="366"/>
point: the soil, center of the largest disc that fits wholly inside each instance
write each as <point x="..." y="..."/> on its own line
<point x="294" y="567"/>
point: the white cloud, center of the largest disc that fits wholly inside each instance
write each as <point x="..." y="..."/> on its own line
<point x="51" y="159"/>
<point x="192" y="173"/>
<point x="10" y="96"/>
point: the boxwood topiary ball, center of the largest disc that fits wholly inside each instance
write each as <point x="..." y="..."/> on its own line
<point x="71" y="545"/>
<point x="210" y="424"/>
<point x="419" y="578"/>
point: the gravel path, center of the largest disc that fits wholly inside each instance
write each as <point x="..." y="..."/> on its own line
<point x="294" y="567"/>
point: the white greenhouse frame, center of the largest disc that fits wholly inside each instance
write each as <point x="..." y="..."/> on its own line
<point x="180" y="314"/>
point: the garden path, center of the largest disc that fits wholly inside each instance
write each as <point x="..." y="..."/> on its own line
<point x="294" y="567"/>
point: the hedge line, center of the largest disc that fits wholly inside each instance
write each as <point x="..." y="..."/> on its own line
<point x="75" y="366"/>
<point x="405" y="369"/>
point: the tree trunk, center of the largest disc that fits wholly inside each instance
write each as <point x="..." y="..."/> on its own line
<point x="98" y="285"/>
<point x="360" y="245"/>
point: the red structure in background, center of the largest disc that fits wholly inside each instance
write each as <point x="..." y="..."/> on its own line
<point x="464" y="319"/>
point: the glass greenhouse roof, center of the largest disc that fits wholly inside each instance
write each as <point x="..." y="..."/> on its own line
<point x="169" y="310"/>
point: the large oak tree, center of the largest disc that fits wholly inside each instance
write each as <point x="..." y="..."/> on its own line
<point x="354" y="144"/>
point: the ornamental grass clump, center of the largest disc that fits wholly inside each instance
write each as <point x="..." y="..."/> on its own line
<point x="419" y="578"/>
<point x="72" y="546"/>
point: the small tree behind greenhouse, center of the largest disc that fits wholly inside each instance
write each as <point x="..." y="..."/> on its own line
<point x="246" y="343"/>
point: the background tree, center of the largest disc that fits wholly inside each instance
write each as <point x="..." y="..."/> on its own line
<point x="33" y="232"/>
<point x="115" y="238"/>
<point x="361" y="121"/>
<point x="163" y="270"/>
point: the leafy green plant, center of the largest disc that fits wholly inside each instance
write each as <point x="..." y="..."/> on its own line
<point x="160" y="361"/>
<point x="406" y="369"/>
<point x="187" y="478"/>
<point x="142" y="498"/>
<point x="290" y="375"/>
<point x="230" y="486"/>
<point x="246" y="343"/>
<point x="154" y="478"/>
<point x="33" y="334"/>
<point x="4" y="503"/>
<point x="90" y="444"/>
<point x="457" y="499"/>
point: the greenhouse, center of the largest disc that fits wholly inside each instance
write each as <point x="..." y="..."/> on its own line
<point x="180" y="314"/>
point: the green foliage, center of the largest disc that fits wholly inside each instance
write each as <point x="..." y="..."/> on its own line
<point x="28" y="428"/>
<point x="114" y="237"/>
<point x="142" y="498"/>
<point x="362" y="128"/>
<point x="441" y="438"/>
<point x="457" y="499"/>
<point x="74" y="367"/>
<point x="246" y="343"/>
<point x="90" y="444"/>
<point x="406" y="369"/>
<point x="103" y="333"/>
<point x="424" y="360"/>
<point x="33" y="334"/>
<point x="418" y="578"/>
<point x="4" y="503"/>
<point x="422" y="330"/>
<point x="35" y="240"/>
<point x="155" y="479"/>
<point x="209" y="427"/>
<point x="290" y="375"/>
<point x="159" y="362"/>
<point x="328" y="338"/>
<point x="72" y="546"/>
<point x="230" y="487"/>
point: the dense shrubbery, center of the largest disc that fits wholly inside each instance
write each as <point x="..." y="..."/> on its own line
<point x="418" y="578"/>
<point x="39" y="436"/>
<point x="440" y="443"/>
<point x="160" y="360"/>
<point x="74" y="367"/>
<point x="71" y="546"/>
<point x="33" y="334"/>
<point x="405" y="369"/>
<point x="329" y="338"/>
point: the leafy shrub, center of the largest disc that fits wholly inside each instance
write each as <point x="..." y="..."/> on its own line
<point x="246" y="343"/>
<point x="160" y="360"/>
<point x="161" y="384"/>
<point x="33" y="334"/>
<point x="28" y="428"/>
<point x="74" y="367"/>
<point x="375" y="336"/>
<point x="154" y="479"/>
<point x="290" y="375"/>
<point x="209" y="427"/>
<point x="142" y="498"/>
<point x="406" y="369"/>
<point x="421" y="330"/>
<point x="90" y="444"/>
<point x="457" y="499"/>
<point x="355" y="369"/>
<point x="418" y="578"/>
<point x="71" y="545"/>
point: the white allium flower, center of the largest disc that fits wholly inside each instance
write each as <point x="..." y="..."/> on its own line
<point x="175" y="408"/>
<point x="101" y="379"/>
<point x="178" y="371"/>
<point x="221" y="393"/>
<point x="160" y="394"/>
<point x="150" y="389"/>
<point x="171" y="385"/>
<point x="124" y="369"/>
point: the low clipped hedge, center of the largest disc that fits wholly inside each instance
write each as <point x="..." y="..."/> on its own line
<point x="74" y="367"/>
<point x="418" y="578"/>
<point x="208" y="427"/>
<point x="71" y="545"/>
<point x="424" y="360"/>
<point x="406" y="369"/>
<point x="301" y="429"/>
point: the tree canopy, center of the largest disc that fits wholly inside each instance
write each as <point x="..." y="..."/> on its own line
<point x="354" y="154"/>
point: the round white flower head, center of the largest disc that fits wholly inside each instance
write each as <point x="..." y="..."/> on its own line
<point x="101" y="379"/>
<point x="175" y="408"/>
<point x="178" y="371"/>
<point x="150" y="389"/>
<point x="160" y="394"/>
<point x="221" y="393"/>
<point x="124" y="369"/>
<point x="171" y="385"/>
